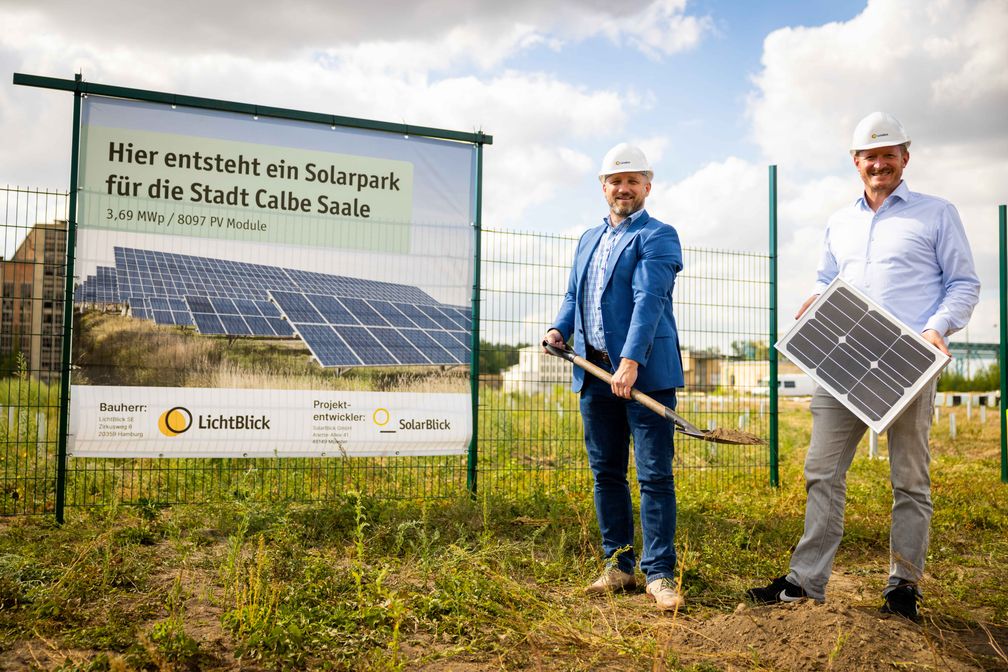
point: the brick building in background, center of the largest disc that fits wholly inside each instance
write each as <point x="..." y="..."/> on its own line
<point x="31" y="301"/>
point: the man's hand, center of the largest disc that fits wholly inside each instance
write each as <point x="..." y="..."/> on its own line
<point x="936" y="340"/>
<point x="624" y="378"/>
<point x="554" y="338"/>
<point x="808" y="302"/>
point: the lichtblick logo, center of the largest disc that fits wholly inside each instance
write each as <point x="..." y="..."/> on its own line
<point x="174" y="421"/>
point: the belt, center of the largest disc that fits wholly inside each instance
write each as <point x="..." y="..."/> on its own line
<point x="599" y="357"/>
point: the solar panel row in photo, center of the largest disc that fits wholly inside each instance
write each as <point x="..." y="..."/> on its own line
<point x="101" y="287"/>
<point x="349" y="331"/>
<point x="344" y="321"/>
<point x="859" y="352"/>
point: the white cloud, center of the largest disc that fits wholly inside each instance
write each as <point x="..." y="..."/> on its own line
<point x="484" y="32"/>
<point x="362" y="61"/>
<point x="939" y="66"/>
<point x="715" y="207"/>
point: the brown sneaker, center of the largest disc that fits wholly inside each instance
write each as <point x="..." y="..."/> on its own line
<point x="665" y="595"/>
<point x="611" y="581"/>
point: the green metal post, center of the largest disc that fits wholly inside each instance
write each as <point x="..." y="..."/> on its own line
<point x="772" y="353"/>
<point x="1003" y="359"/>
<point x="474" y="368"/>
<point x="71" y="243"/>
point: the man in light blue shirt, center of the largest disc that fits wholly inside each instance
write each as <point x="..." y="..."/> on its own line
<point x="908" y="252"/>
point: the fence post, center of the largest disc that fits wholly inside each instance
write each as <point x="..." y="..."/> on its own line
<point x="1003" y="359"/>
<point x="474" y="366"/>
<point x="71" y="241"/>
<point x="771" y="353"/>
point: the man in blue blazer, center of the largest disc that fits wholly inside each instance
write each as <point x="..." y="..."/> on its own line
<point x="618" y="308"/>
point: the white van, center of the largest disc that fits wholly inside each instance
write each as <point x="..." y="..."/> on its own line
<point x="788" y="385"/>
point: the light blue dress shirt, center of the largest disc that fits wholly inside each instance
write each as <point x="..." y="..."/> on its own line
<point x="912" y="257"/>
<point x="594" y="329"/>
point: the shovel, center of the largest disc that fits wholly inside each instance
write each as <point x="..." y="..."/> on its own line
<point x="683" y="425"/>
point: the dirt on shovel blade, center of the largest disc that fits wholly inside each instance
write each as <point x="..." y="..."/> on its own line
<point x="733" y="436"/>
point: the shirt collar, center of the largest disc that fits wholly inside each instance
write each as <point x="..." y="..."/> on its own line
<point x="902" y="192"/>
<point x="622" y="226"/>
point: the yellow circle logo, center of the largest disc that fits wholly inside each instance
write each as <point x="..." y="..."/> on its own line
<point x="174" y="421"/>
<point x="381" y="416"/>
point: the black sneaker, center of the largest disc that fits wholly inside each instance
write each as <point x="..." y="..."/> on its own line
<point x="902" y="601"/>
<point x="779" y="590"/>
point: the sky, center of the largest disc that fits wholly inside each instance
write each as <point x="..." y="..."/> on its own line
<point x="714" y="91"/>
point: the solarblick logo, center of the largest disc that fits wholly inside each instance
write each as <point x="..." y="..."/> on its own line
<point x="175" y="421"/>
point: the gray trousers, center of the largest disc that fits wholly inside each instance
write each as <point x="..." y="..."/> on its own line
<point x="835" y="436"/>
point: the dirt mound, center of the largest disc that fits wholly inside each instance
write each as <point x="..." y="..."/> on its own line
<point x="838" y="636"/>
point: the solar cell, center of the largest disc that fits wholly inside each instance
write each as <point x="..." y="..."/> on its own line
<point x="199" y="304"/>
<point x="182" y="318"/>
<point x="364" y="313"/>
<point x="417" y="316"/>
<point x="331" y="309"/>
<point x="247" y="307"/>
<point x="862" y="355"/>
<point x="365" y="346"/>
<point x="428" y="346"/>
<point x="400" y="347"/>
<point x="280" y="326"/>
<point x="267" y="309"/>
<point x="223" y="305"/>
<point x="234" y="325"/>
<point x="392" y="315"/>
<point x="208" y="323"/>
<point x="458" y="350"/>
<point x="439" y="318"/>
<point x="259" y="325"/>
<point x="297" y="308"/>
<point x="328" y="348"/>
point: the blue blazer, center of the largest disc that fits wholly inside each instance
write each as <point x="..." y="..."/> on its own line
<point x="636" y="302"/>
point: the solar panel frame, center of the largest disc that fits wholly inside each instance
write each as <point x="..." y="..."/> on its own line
<point x="861" y="354"/>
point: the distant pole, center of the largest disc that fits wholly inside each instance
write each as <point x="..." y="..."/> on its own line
<point x="771" y="352"/>
<point x="474" y="366"/>
<point x="1003" y="359"/>
<point x="71" y="244"/>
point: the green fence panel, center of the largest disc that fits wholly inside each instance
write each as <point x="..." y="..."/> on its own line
<point x="531" y="435"/>
<point x="31" y="325"/>
<point x="529" y="438"/>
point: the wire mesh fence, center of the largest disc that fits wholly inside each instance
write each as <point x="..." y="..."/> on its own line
<point x="530" y="431"/>
<point x="31" y="326"/>
<point x="529" y="436"/>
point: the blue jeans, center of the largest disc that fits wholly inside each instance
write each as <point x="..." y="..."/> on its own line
<point x="609" y="422"/>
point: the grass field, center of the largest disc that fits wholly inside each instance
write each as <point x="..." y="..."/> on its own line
<point x="494" y="583"/>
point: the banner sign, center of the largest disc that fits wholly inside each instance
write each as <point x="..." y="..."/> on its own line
<point x="195" y="422"/>
<point x="236" y="269"/>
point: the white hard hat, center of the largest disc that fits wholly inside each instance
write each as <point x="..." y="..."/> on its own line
<point x="878" y="129"/>
<point x="624" y="158"/>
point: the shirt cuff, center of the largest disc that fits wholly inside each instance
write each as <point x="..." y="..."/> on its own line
<point x="939" y="324"/>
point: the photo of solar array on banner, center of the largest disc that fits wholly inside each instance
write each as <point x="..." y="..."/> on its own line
<point x="344" y="321"/>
